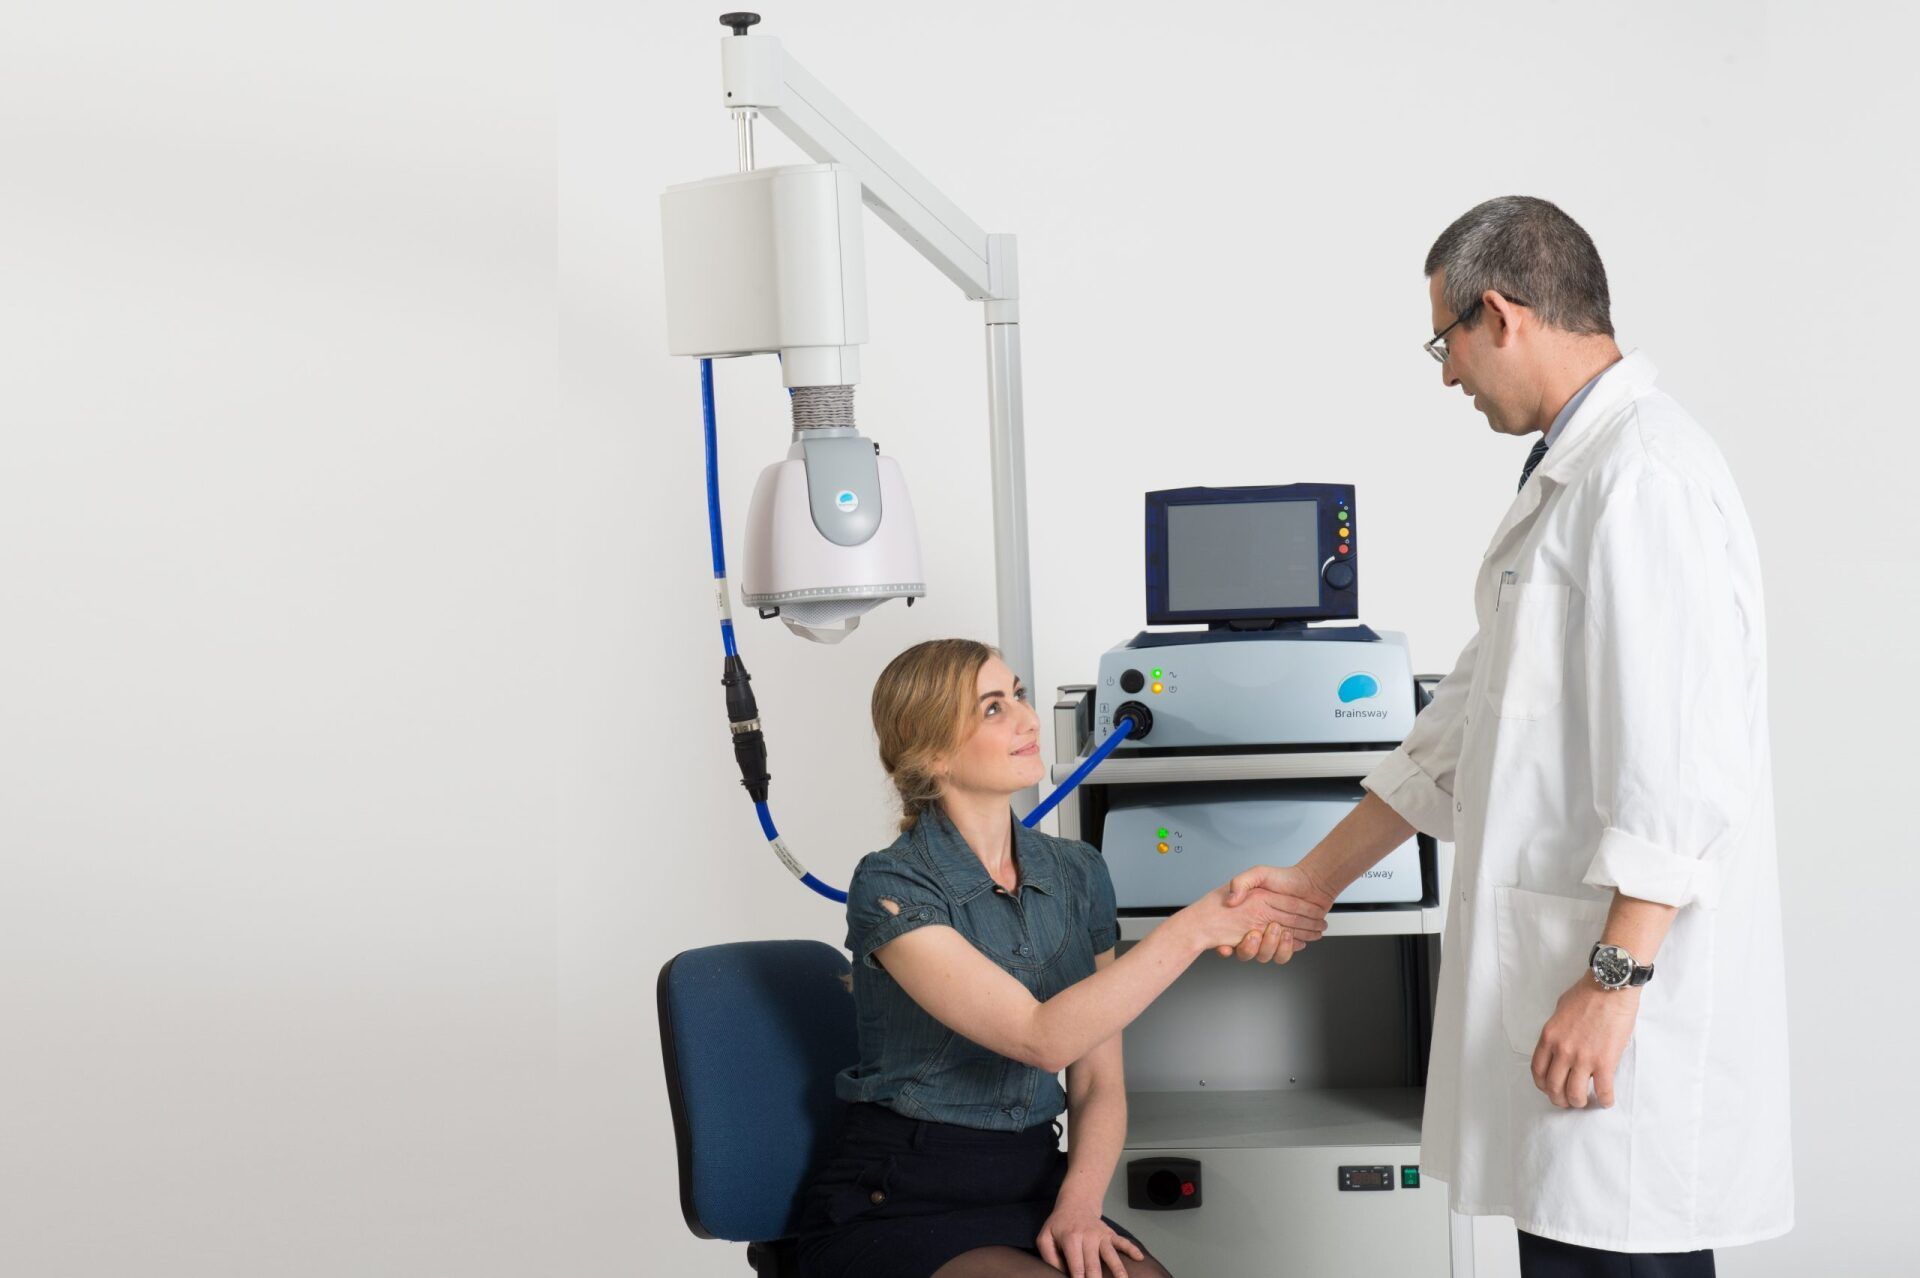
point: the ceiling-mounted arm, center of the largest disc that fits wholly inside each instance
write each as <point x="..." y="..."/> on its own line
<point x="759" y="76"/>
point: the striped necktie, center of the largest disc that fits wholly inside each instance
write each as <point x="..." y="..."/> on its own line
<point x="1533" y="459"/>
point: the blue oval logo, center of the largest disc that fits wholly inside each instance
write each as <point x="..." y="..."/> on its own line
<point x="1358" y="687"/>
<point x="847" y="500"/>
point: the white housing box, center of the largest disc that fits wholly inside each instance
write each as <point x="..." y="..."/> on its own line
<point x="770" y="260"/>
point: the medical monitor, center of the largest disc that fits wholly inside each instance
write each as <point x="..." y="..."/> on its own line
<point x="1243" y="558"/>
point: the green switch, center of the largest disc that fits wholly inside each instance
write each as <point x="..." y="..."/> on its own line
<point x="1409" y="1178"/>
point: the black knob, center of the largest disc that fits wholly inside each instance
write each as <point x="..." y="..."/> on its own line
<point x="1141" y="716"/>
<point x="739" y="21"/>
<point x="1339" y="574"/>
<point x="1132" y="681"/>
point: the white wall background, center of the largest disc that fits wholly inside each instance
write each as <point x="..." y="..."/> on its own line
<point x="361" y="755"/>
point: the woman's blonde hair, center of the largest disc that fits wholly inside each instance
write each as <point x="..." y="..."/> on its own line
<point x="922" y="706"/>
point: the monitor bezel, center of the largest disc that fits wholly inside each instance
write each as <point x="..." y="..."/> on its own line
<point x="1333" y="605"/>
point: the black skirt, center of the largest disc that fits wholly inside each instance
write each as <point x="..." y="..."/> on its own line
<point x="898" y="1198"/>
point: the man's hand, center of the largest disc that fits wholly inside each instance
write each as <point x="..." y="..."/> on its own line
<point x="1304" y="904"/>
<point x="1581" y="1044"/>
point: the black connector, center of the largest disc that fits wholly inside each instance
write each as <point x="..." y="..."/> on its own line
<point x="743" y="716"/>
<point x="750" y="752"/>
<point x="741" y="707"/>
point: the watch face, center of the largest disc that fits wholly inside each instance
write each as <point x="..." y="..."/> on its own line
<point x="1612" y="966"/>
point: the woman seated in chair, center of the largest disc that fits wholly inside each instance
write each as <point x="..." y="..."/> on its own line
<point x="983" y="961"/>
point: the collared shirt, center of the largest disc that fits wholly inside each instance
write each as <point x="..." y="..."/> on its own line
<point x="1565" y="415"/>
<point x="1046" y="934"/>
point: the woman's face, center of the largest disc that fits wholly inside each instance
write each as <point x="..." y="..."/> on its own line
<point x="1001" y="756"/>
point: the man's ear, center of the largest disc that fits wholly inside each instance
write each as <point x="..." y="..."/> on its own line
<point x="1503" y="315"/>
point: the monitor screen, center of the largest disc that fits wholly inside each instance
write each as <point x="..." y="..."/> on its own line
<point x="1228" y="556"/>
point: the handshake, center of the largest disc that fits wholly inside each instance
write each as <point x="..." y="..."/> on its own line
<point x="1267" y="913"/>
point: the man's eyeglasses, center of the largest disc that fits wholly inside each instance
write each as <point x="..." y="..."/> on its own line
<point x="1436" y="345"/>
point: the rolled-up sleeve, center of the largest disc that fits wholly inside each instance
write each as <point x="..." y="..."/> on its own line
<point x="1669" y="726"/>
<point x="870" y="924"/>
<point x="1416" y="780"/>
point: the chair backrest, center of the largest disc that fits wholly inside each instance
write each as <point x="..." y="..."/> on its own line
<point x="752" y="1034"/>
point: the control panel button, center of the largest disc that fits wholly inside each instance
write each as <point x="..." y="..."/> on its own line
<point x="1132" y="681"/>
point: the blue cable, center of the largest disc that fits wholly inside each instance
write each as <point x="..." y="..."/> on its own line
<point x="1121" y="731"/>
<point x="726" y="623"/>
<point x="713" y="498"/>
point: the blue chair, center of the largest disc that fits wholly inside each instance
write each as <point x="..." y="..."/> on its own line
<point x="752" y="1034"/>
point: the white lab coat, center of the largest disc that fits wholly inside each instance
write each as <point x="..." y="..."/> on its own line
<point x="1606" y="729"/>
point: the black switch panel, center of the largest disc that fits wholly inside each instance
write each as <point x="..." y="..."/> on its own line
<point x="1163" y="1184"/>
<point x="1366" y="1178"/>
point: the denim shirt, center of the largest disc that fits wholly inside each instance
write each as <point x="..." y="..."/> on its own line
<point x="1046" y="935"/>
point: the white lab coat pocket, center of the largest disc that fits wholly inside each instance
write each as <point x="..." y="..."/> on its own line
<point x="1545" y="944"/>
<point x="1529" y="650"/>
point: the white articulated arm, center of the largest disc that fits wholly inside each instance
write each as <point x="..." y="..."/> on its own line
<point x="759" y="76"/>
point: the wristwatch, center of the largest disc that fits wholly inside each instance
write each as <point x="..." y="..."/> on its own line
<point x="1614" y="968"/>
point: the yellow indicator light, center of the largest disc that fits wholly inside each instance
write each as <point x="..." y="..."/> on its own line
<point x="1159" y="687"/>
<point x="1161" y="847"/>
<point x="1346" y="532"/>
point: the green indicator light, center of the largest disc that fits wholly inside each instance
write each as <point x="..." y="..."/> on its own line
<point x="1156" y="672"/>
<point x="1410" y="1178"/>
<point x="1163" y="832"/>
<point x="1343" y="516"/>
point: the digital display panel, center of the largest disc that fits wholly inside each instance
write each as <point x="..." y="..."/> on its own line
<point x="1227" y="556"/>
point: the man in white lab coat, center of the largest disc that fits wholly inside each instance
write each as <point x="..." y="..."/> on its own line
<point x="1599" y="759"/>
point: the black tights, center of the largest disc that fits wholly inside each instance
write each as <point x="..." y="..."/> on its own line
<point x="1011" y="1262"/>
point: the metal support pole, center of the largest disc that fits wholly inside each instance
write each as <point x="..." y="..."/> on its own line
<point x="1006" y="421"/>
<point x="743" y="138"/>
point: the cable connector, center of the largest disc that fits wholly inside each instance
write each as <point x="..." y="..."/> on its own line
<point x="743" y="717"/>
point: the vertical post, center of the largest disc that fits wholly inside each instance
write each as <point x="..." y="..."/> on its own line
<point x="743" y="138"/>
<point x="1012" y="581"/>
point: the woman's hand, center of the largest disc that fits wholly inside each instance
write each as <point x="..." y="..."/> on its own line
<point x="1076" y="1241"/>
<point x="1303" y="903"/>
<point x="1282" y="924"/>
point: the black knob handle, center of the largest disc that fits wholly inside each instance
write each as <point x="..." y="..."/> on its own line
<point x="739" y="21"/>
<point x="1141" y="716"/>
<point x="1339" y="574"/>
<point x="1132" y="681"/>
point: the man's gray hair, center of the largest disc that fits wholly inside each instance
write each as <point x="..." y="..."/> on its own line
<point x="1529" y="251"/>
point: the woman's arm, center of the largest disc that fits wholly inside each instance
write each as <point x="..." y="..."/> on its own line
<point x="1075" y="1238"/>
<point x="970" y="994"/>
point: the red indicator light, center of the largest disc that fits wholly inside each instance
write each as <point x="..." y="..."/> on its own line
<point x="1186" y="1189"/>
<point x="1343" y="547"/>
